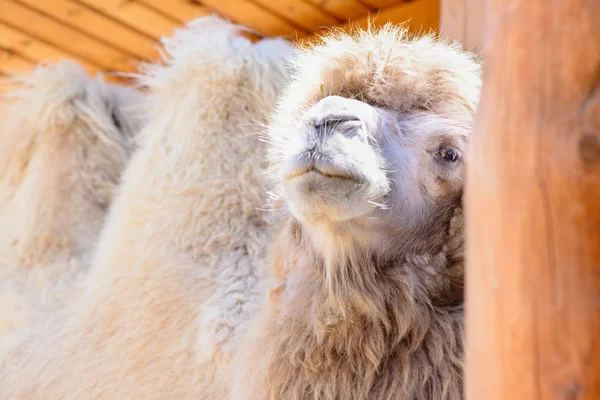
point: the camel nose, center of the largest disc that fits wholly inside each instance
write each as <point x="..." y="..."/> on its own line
<point x="336" y="111"/>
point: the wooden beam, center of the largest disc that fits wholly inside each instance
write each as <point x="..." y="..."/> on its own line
<point x="135" y="15"/>
<point x="96" y="25"/>
<point x="34" y="49"/>
<point x="180" y="10"/>
<point x="38" y="25"/>
<point x="462" y="20"/>
<point x="342" y="9"/>
<point x="533" y="206"/>
<point x="381" y="4"/>
<point x="11" y="62"/>
<point x="419" y="15"/>
<point x="301" y="13"/>
<point x="250" y="14"/>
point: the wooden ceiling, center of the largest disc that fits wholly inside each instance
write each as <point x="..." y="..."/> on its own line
<point x="114" y="35"/>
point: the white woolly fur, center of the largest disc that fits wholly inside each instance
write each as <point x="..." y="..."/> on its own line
<point x="64" y="141"/>
<point x="184" y="230"/>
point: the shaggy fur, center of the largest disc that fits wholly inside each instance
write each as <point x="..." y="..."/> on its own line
<point x="367" y="301"/>
<point x="184" y="231"/>
<point x="64" y="141"/>
<point x="365" y="285"/>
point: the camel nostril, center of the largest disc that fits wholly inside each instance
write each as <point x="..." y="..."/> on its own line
<point x="331" y="120"/>
<point x="335" y="113"/>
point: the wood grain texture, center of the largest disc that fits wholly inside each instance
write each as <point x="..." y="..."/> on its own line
<point x="180" y="10"/>
<point x="342" y="9"/>
<point x="62" y="36"/>
<point x="453" y="19"/>
<point x="115" y="35"/>
<point x="463" y="20"/>
<point x="96" y="25"/>
<point x="256" y="17"/>
<point x="33" y="49"/>
<point x="419" y="15"/>
<point x="533" y="206"/>
<point x="303" y="14"/>
<point x="379" y="4"/>
<point x="134" y="15"/>
<point x="11" y="62"/>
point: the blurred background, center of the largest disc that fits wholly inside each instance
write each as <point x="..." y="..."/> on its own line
<point x="114" y="35"/>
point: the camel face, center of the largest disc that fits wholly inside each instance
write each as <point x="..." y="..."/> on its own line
<point x="352" y="161"/>
<point x="334" y="169"/>
<point x="367" y="143"/>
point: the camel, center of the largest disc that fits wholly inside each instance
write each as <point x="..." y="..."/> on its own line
<point x="367" y="165"/>
<point x="64" y="141"/>
<point x="348" y="285"/>
<point x="186" y="222"/>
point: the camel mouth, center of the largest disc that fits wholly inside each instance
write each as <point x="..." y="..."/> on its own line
<point x="314" y="170"/>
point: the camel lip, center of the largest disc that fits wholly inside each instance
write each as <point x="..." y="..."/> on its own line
<point x="313" y="169"/>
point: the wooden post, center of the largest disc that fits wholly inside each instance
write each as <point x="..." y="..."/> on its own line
<point x="533" y="206"/>
<point x="462" y="20"/>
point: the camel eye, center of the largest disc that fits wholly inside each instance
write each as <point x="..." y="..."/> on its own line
<point x="447" y="154"/>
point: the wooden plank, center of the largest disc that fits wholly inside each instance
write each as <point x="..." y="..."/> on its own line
<point x="475" y="23"/>
<point x="533" y="206"/>
<point x="39" y="26"/>
<point x="453" y="19"/>
<point x="462" y="20"/>
<point x="420" y="16"/>
<point x="96" y="25"/>
<point x="6" y="86"/>
<point x="301" y="13"/>
<point x="381" y="4"/>
<point x="252" y="15"/>
<point x="342" y="9"/>
<point x="34" y="49"/>
<point x="135" y="15"/>
<point x="180" y="10"/>
<point x="11" y="62"/>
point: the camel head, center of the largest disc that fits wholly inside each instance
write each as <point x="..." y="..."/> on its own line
<point x="369" y="142"/>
